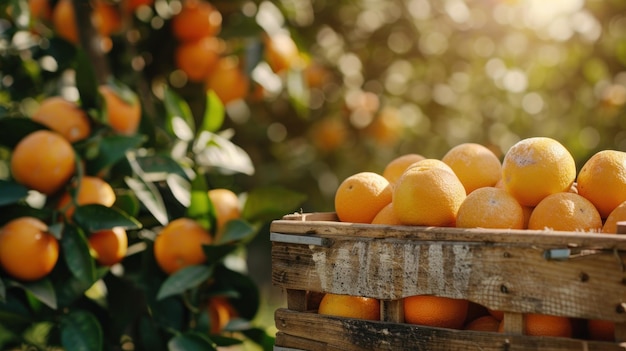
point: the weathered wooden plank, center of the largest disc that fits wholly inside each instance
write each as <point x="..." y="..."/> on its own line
<point x="503" y="277"/>
<point x="336" y="333"/>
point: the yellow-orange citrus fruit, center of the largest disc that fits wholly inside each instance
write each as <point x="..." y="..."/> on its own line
<point x="64" y="117"/>
<point x="435" y="311"/>
<point x="227" y="207"/>
<point x="123" y="113"/>
<point x="602" y="180"/>
<point x="109" y="245"/>
<point x="197" y="19"/>
<point x="105" y="18"/>
<point x="44" y="161"/>
<point x="350" y="306"/>
<point x="329" y="133"/>
<point x="474" y="164"/>
<point x="281" y="52"/>
<point x="499" y="315"/>
<point x="490" y="207"/>
<point x="228" y="81"/>
<point x="198" y="58"/>
<point x="536" y="167"/>
<point x="220" y="312"/>
<point x="565" y="211"/>
<point x="387" y="127"/>
<point x="179" y="245"/>
<point x="40" y="9"/>
<point x="546" y="325"/>
<point x="617" y="215"/>
<point x="386" y="215"/>
<point x="361" y="196"/>
<point x="430" y="163"/>
<point x="27" y="251"/>
<point x="91" y="190"/>
<point x="131" y="6"/>
<point x="428" y="196"/>
<point x="486" y="323"/>
<point x="394" y="169"/>
<point x="601" y="330"/>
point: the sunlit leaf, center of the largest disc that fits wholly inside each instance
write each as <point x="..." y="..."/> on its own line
<point x="77" y="256"/>
<point x="216" y="152"/>
<point x="94" y="217"/>
<point x="213" y="114"/>
<point x="269" y="203"/>
<point x="298" y="92"/>
<point x="237" y="230"/>
<point x="11" y="192"/>
<point x="191" y="342"/>
<point x="225" y="341"/>
<point x="158" y="167"/>
<point x="81" y="331"/>
<point x="183" y="280"/>
<point x="180" y="188"/>
<point x="180" y="120"/>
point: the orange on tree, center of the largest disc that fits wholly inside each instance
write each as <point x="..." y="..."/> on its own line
<point x="198" y="58"/>
<point x="534" y="168"/>
<point x="220" y="312"/>
<point x="91" y="190"/>
<point x="43" y="160"/>
<point x="394" y="168"/>
<point x="109" y="245"/>
<point x="179" y="245"/>
<point x="105" y="18"/>
<point x="361" y="196"/>
<point x="490" y="207"/>
<point x="428" y="195"/>
<point x="387" y="127"/>
<point x="603" y="330"/>
<point x="123" y="113"/>
<point x="227" y="80"/>
<point x="227" y="207"/>
<point x="28" y="251"/>
<point x="328" y="133"/>
<point x="196" y="19"/>
<point x="64" y="117"/>
<point x="474" y="164"/>
<point x="281" y="52"/>
<point x="131" y="6"/>
<point x="617" y="215"/>
<point x="350" y="306"/>
<point x="386" y="215"/>
<point x="40" y="9"/>
<point x="486" y="323"/>
<point x="435" y="311"/>
<point x="565" y="211"/>
<point x="602" y="180"/>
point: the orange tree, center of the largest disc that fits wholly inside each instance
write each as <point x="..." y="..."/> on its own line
<point x="79" y="269"/>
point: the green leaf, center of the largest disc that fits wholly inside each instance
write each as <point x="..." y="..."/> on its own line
<point x="77" y="256"/>
<point x="247" y="302"/>
<point x="86" y="81"/>
<point x="13" y="129"/>
<point x="126" y="201"/>
<point x="111" y="150"/>
<point x="42" y="289"/>
<point x="269" y="203"/>
<point x="298" y="92"/>
<point x="160" y="164"/>
<point x="11" y="192"/>
<point x="216" y="152"/>
<point x="216" y="253"/>
<point x="213" y="114"/>
<point x="191" y="342"/>
<point x="180" y="122"/>
<point x="237" y="230"/>
<point x="183" y="280"/>
<point x="200" y="207"/>
<point x="261" y="338"/>
<point x="3" y="291"/>
<point x="94" y="217"/>
<point x="150" y="197"/>
<point x="81" y="331"/>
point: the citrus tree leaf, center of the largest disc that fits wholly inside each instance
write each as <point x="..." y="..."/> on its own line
<point x="86" y="80"/>
<point x="81" y="331"/>
<point x="126" y="201"/>
<point x="237" y="230"/>
<point x="216" y="253"/>
<point x="11" y="192"/>
<point x="191" y="341"/>
<point x="3" y="291"/>
<point x="213" y="114"/>
<point x="261" y="338"/>
<point x="111" y="150"/>
<point x="76" y="254"/>
<point x="247" y="301"/>
<point x="13" y="129"/>
<point x="41" y="289"/>
<point x="179" y="119"/>
<point x="269" y="203"/>
<point x="153" y="165"/>
<point x="94" y="217"/>
<point x="183" y="280"/>
<point x="216" y="152"/>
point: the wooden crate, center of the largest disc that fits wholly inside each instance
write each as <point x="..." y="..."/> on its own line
<point x="579" y="275"/>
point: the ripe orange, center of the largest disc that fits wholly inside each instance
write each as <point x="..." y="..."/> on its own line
<point x="486" y="323"/>
<point x="104" y="17"/>
<point x="220" y="311"/>
<point x="123" y="113"/>
<point x="131" y="6"/>
<point x="546" y="325"/>
<point x="617" y="215"/>
<point x="602" y="180"/>
<point x="329" y="133"/>
<point x="361" y="196"/>
<point x="565" y="211"/>
<point x="490" y="207"/>
<point x="475" y="165"/>
<point x="179" y="245"/>
<point x="109" y="245"/>
<point x="431" y="162"/>
<point x="198" y="58"/>
<point x="27" y="251"/>
<point x="64" y="117"/>
<point x="227" y="207"/>
<point x="197" y="19"/>
<point x="428" y="196"/>
<point x="387" y="127"/>
<point x="40" y="9"/>
<point x="536" y="167"/>
<point x="601" y="330"/>
<point x="228" y="81"/>
<point x="499" y="315"/>
<point x="44" y="161"/>
<point x="386" y="215"/>
<point x="350" y="306"/>
<point x="91" y="190"/>
<point x="281" y="52"/>
<point x="394" y="169"/>
<point x="435" y="311"/>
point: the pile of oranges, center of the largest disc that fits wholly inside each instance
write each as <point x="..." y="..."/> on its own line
<point x="536" y="186"/>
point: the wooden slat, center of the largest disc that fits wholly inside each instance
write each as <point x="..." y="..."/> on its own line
<point x="335" y="333"/>
<point x="392" y="311"/>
